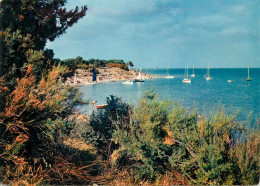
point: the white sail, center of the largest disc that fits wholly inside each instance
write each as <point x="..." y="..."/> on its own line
<point x="139" y="75"/>
<point x="248" y="79"/>
<point x="186" y="77"/>
<point x="168" y="76"/>
<point x="193" y="75"/>
<point x="139" y="78"/>
<point x="208" y="76"/>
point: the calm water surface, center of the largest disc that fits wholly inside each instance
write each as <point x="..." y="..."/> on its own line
<point x="238" y="96"/>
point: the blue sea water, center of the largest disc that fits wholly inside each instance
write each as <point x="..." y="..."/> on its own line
<point x="238" y="96"/>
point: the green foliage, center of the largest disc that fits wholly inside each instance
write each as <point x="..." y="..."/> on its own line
<point x="79" y="62"/>
<point x="98" y="131"/>
<point x="25" y="28"/>
<point x="35" y="122"/>
<point x="130" y="63"/>
<point x="35" y="106"/>
<point x="13" y="43"/>
<point x="161" y="137"/>
<point x="50" y="19"/>
<point x="155" y="139"/>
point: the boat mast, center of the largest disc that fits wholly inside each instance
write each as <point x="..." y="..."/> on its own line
<point x="248" y="72"/>
<point x="208" y="69"/>
<point x="168" y="70"/>
<point x="139" y="76"/>
<point x="193" y="69"/>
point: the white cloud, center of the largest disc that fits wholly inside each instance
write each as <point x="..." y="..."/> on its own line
<point x="209" y="20"/>
<point x="237" y="9"/>
<point x="175" y="11"/>
<point x="234" y="30"/>
<point x="176" y="40"/>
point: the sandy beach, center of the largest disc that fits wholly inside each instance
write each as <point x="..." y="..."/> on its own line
<point x="105" y="74"/>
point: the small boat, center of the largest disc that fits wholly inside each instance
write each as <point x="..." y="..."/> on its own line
<point x="192" y="75"/>
<point x="168" y="76"/>
<point x="248" y="79"/>
<point x="186" y="79"/>
<point x="139" y="78"/>
<point x="128" y="82"/>
<point x="208" y="78"/>
<point x="102" y="106"/>
<point x="229" y="81"/>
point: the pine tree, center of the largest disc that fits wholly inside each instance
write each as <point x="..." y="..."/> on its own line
<point x="28" y="25"/>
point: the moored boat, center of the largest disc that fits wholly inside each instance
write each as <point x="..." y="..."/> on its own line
<point x="208" y="78"/>
<point x="128" y="82"/>
<point x="168" y="76"/>
<point x="248" y="79"/>
<point x="192" y="75"/>
<point x="139" y="78"/>
<point x="186" y="78"/>
<point x="102" y="106"/>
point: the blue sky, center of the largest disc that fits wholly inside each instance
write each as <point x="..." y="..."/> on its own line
<point x="150" y="33"/>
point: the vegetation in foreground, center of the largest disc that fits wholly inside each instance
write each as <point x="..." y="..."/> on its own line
<point x="161" y="142"/>
<point x="158" y="142"/>
<point x="44" y="140"/>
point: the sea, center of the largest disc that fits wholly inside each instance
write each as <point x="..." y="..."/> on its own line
<point x="239" y="97"/>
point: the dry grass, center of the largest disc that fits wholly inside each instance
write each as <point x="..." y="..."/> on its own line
<point x="124" y="178"/>
<point x="173" y="178"/>
<point x="79" y="144"/>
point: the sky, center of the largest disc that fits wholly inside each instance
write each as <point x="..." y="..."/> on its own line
<point x="162" y="33"/>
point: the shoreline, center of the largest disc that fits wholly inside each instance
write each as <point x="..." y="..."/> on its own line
<point x="105" y="75"/>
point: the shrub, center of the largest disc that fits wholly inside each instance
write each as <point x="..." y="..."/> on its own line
<point x="33" y="124"/>
<point x="165" y="137"/>
<point x="99" y="129"/>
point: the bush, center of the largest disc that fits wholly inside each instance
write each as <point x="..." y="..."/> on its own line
<point x="99" y="129"/>
<point x="33" y="125"/>
<point x="163" y="137"/>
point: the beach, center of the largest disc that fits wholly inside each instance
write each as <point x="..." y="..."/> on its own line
<point x="106" y="74"/>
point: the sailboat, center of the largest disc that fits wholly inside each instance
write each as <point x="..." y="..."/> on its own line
<point x="208" y="78"/>
<point x="168" y="76"/>
<point x="186" y="78"/>
<point x="192" y="75"/>
<point x="248" y="79"/>
<point x="139" y="78"/>
<point x="94" y="76"/>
